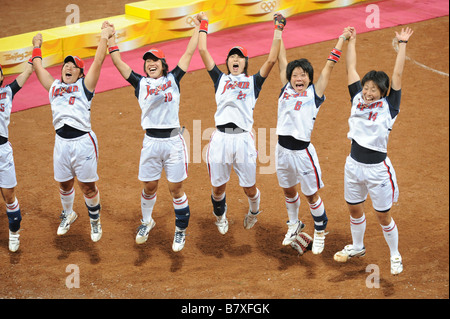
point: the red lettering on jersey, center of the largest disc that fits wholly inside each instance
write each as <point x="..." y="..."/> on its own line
<point x="361" y="106"/>
<point x="158" y="89"/>
<point x="235" y="84"/>
<point x="3" y="96"/>
<point x="286" y="95"/>
<point x="60" y="91"/>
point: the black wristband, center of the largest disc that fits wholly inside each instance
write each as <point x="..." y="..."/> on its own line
<point x="402" y="41"/>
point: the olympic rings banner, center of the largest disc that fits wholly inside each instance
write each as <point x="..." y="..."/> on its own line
<point x="147" y="22"/>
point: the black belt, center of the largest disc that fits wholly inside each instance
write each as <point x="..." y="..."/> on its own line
<point x="162" y="132"/>
<point x="364" y="155"/>
<point x="3" y="140"/>
<point x="230" y="128"/>
<point x="69" y="132"/>
<point x="292" y="143"/>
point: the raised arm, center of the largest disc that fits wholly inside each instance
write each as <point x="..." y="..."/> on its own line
<point x="282" y="61"/>
<point x="333" y="58"/>
<point x="23" y="77"/>
<point x="402" y="38"/>
<point x="94" y="71"/>
<point x="202" y="42"/>
<point x="44" y="77"/>
<point x="123" y="68"/>
<point x="185" y="59"/>
<point x="279" y="22"/>
<point x="352" y="74"/>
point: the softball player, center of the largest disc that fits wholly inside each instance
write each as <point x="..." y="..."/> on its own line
<point x="158" y="94"/>
<point x="8" y="180"/>
<point x="75" y="153"/>
<point x="368" y="169"/>
<point x="232" y="143"/>
<point x="296" y="157"/>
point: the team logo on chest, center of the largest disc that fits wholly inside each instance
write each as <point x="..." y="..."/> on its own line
<point x="64" y="89"/>
<point x="159" y="88"/>
<point x="362" y="106"/>
<point x="235" y="84"/>
<point x="287" y="96"/>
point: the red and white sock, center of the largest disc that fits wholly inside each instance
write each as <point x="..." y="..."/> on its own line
<point x="390" y="233"/>
<point x="358" y="229"/>
<point x="147" y="204"/>
<point x="292" y="206"/>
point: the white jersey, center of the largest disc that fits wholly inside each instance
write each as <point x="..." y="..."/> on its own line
<point x="159" y="100"/>
<point x="71" y="105"/>
<point x="236" y="97"/>
<point x="297" y="112"/>
<point x="371" y="124"/>
<point x="6" y="97"/>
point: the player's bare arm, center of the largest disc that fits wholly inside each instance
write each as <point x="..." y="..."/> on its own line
<point x="402" y="39"/>
<point x="202" y="45"/>
<point x="123" y="68"/>
<point x="352" y="74"/>
<point x="44" y="77"/>
<point x="185" y="59"/>
<point x="334" y="57"/>
<point x="23" y="77"/>
<point x="94" y="71"/>
<point x="282" y="63"/>
<point x="280" y="23"/>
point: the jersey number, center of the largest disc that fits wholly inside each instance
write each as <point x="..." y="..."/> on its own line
<point x="167" y="97"/>
<point x="72" y="100"/>
<point x="241" y="96"/>
<point x="298" y="105"/>
<point x="2" y="107"/>
<point x="373" y="116"/>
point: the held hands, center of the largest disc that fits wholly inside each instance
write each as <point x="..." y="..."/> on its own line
<point x="201" y="16"/>
<point x="108" y="30"/>
<point x="279" y="21"/>
<point x="404" y="35"/>
<point x="37" y="40"/>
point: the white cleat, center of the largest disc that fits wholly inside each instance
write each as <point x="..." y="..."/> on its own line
<point x="293" y="231"/>
<point x="14" y="241"/>
<point x="222" y="222"/>
<point x="250" y="219"/>
<point x="179" y="239"/>
<point x="143" y="231"/>
<point x="67" y="219"/>
<point x="349" y="252"/>
<point x="318" y="242"/>
<point x="96" y="229"/>
<point x="396" y="265"/>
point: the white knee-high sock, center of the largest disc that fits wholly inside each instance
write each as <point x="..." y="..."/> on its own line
<point x="358" y="229"/>
<point x="390" y="233"/>
<point x="292" y="206"/>
<point x="147" y="204"/>
<point x="67" y="199"/>
<point x="254" y="202"/>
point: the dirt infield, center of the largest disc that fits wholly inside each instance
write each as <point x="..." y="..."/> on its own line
<point x="244" y="263"/>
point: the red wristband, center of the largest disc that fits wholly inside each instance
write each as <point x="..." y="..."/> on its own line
<point x="204" y="26"/>
<point x="335" y="55"/>
<point x="37" y="53"/>
<point x="113" y="49"/>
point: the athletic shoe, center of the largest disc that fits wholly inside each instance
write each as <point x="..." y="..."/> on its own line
<point x="349" y="252"/>
<point x="222" y="222"/>
<point x="396" y="265"/>
<point x="143" y="230"/>
<point x="250" y="220"/>
<point x="66" y="220"/>
<point x="318" y="242"/>
<point x="14" y="241"/>
<point x="293" y="231"/>
<point x="96" y="229"/>
<point x="179" y="239"/>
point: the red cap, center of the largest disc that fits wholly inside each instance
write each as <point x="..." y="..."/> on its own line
<point x="239" y="48"/>
<point x="155" y="52"/>
<point x="76" y="60"/>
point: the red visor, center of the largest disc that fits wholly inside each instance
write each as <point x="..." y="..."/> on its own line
<point x="155" y="52"/>
<point x="242" y="50"/>
<point x="76" y="60"/>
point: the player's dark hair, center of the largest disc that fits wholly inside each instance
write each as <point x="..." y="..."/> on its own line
<point x="236" y="51"/>
<point x="304" y="64"/>
<point x="165" y="67"/>
<point x="380" y="79"/>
